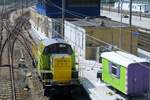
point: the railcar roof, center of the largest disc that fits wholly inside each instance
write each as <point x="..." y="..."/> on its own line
<point x="122" y="58"/>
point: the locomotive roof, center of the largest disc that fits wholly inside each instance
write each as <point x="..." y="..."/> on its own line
<point x="122" y="58"/>
<point x="48" y="41"/>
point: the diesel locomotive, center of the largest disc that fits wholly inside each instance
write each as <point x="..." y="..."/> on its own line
<point x="55" y="62"/>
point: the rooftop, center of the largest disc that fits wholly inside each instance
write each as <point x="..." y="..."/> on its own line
<point x="96" y="22"/>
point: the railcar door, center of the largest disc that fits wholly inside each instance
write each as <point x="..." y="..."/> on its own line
<point x="138" y="80"/>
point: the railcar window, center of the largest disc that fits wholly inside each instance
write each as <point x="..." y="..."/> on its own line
<point x="115" y="70"/>
<point x="58" y="49"/>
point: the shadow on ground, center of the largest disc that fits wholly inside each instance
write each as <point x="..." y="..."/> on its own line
<point x="74" y="92"/>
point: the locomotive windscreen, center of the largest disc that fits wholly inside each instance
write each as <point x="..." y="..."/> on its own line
<point x="58" y="48"/>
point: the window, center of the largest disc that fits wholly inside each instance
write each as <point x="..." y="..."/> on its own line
<point x="57" y="27"/>
<point x="48" y="3"/>
<point x="82" y="2"/>
<point x="82" y="40"/>
<point x="115" y="70"/>
<point x="58" y="48"/>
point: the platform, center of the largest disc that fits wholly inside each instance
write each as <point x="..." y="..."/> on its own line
<point x="144" y="54"/>
<point x="97" y="89"/>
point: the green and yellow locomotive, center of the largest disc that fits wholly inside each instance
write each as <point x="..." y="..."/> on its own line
<point x="55" y="62"/>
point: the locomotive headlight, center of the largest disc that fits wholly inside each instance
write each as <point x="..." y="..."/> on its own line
<point x="62" y="46"/>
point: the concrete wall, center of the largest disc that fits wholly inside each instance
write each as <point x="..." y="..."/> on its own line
<point x="92" y="53"/>
<point x="87" y="48"/>
<point x="41" y="23"/>
<point x="114" y="36"/>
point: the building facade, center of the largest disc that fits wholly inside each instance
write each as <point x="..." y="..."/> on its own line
<point x="73" y="8"/>
<point x="76" y="36"/>
<point x="136" y="7"/>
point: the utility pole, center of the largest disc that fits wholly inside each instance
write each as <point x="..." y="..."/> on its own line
<point x="15" y="4"/>
<point x="63" y="17"/>
<point x="121" y="5"/>
<point x="26" y="1"/>
<point x="101" y="6"/>
<point x="140" y="12"/>
<point x="22" y="7"/>
<point x="130" y="20"/>
<point x="130" y="23"/>
<point x="100" y="1"/>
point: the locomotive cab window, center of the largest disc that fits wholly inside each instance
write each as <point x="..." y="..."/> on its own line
<point x="115" y="70"/>
<point x="58" y="48"/>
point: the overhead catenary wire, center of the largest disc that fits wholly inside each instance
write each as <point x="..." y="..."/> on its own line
<point x="79" y="15"/>
<point x="65" y="37"/>
<point x="98" y="41"/>
<point x="12" y="31"/>
<point x="108" y="43"/>
<point x="72" y="12"/>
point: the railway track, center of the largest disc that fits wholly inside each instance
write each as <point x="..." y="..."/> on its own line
<point x="144" y="40"/>
<point x="6" y="92"/>
<point x="10" y="77"/>
<point x="5" y="84"/>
